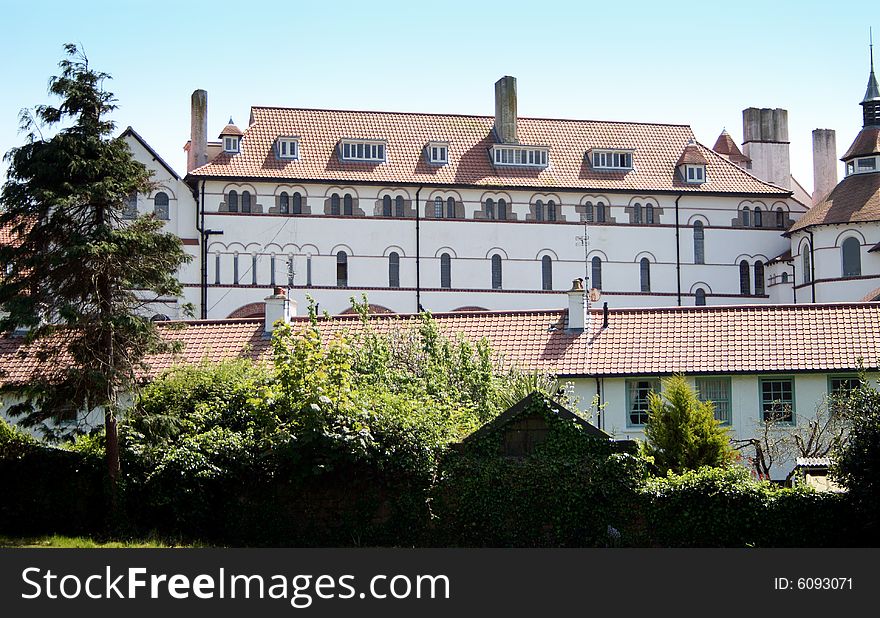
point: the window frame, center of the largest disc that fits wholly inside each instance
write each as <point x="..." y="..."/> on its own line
<point x="856" y="256"/>
<point x="231" y="144"/>
<point x="695" y="174"/>
<point x="546" y="273"/>
<point x="645" y="275"/>
<point x="363" y="150"/>
<point x="762" y="403"/>
<point x="162" y="211"/>
<point x="503" y="155"/>
<point x="654" y="386"/>
<point x="287" y="148"/>
<point x="497" y="272"/>
<point x="446" y="271"/>
<point x="699" y="242"/>
<point x="728" y="401"/>
<point x="394" y="269"/>
<point x="342" y="269"/>
<point x="437" y="153"/>
<point x="611" y="159"/>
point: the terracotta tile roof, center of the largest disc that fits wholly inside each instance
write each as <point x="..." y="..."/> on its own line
<point x="867" y="142"/>
<point x="735" y="339"/>
<point x="230" y="129"/>
<point x="872" y="295"/>
<point x="785" y="256"/>
<point x="691" y="155"/>
<point x="656" y="149"/>
<point x="856" y="198"/>
<point x="725" y="145"/>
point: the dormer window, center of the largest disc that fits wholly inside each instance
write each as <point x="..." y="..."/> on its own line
<point x="371" y="151"/>
<point x="437" y="153"/>
<point x="695" y="174"/>
<point x="520" y="156"/>
<point x="288" y="148"/>
<point x="231" y="144"/>
<point x="611" y="159"/>
<point x="862" y="165"/>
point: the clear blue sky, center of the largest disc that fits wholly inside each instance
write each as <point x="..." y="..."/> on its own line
<point x="697" y="63"/>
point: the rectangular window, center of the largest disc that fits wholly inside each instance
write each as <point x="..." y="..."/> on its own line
<point x="637" y="392"/>
<point x="520" y="156"/>
<point x="371" y="151"/>
<point x="288" y="148"/>
<point x="438" y="153"/>
<point x="612" y="159"/>
<point x="866" y="165"/>
<point x="716" y="390"/>
<point x="838" y="389"/>
<point x="777" y="399"/>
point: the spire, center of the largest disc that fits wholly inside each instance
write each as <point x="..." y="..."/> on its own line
<point x="873" y="92"/>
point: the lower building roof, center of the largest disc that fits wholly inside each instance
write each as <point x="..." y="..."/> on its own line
<point x="856" y="199"/>
<point x="636" y="342"/>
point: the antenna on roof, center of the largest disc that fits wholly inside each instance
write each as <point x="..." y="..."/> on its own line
<point x="585" y="241"/>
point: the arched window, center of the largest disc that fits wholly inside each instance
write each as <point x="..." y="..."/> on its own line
<point x="232" y="201"/>
<point x="284" y="203"/>
<point x="759" y="217"/>
<point x="784" y="277"/>
<point x="490" y="208"/>
<point x="700" y="297"/>
<point x="341" y="269"/>
<point x="780" y="218"/>
<point x="393" y="270"/>
<point x="745" y="285"/>
<point x="334" y="204"/>
<point x="699" y="244"/>
<point x="272" y="269"/>
<point x="637" y="213"/>
<point x="254" y="269"/>
<point x="546" y="273"/>
<point x="386" y="206"/>
<point x="649" y="214"/>
<point x="600" y="212"/>
<point x="596" y="274"/>
<point x="852" y="260"/>
<point x="398" y="206"/>
<point x="347" y="208"/>
<point x="539" y="210"/>
<point x="445" y="271"/>
<point x="245" y="201"/>
<point x="502" y="209"/>
<point x="746" y="217"/>
<point x="438" y="207"/>
<point x="759" y="278"/>
<point x="496" y="272"/>
<point x="551" y="211"/>
<point x="130" y="207"/>
<point x="805" y="263"/>
<point x="160" y="205"/>
<point x="235" y="269"/>
<point x="217" y="269"/>
<point x="297" y="203"/>
<point x="645" y="274"/>
<point x="450" y="208"/>
<point x="588" y="215"/>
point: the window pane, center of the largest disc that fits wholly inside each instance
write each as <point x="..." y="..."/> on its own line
<point x="284" y="203"/>
<point x="645" y="274"/>
<point x="699" y="247"/>
<point x="398" y="206"/>
<point x="551" y="211"/>
<point x="394" y="270"/>
<point x="445" y="271"/>
<point x="745" y="286"/>
<point x="596" y="274"/>
<point x="700" y="297"/>
<point x="341" y="269"/>
<point x="716" y="390"/>
<point x="777" y="400"/>
<point x="438" y="207"/>
<point x="852" y="261"/>
<point x="334" y="204"/>
<point x="245" y="201"/>
<point x="450" y="207"/>
<point x="347" y="204"/>
<point x="496" y="272"/>
<point x="759" y="278"/>
<point x="638" y="392"/>
<point x="546" y="273"/>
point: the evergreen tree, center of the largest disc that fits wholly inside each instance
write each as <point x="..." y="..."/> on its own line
<point x="79" y="277"/>
<point x="682" y="431"/>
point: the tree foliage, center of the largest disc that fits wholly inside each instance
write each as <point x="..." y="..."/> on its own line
<point x="78" y="276"/>
<point x="682" y="432"/>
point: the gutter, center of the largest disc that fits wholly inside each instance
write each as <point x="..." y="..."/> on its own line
<point x="418" y="254"/>
<point x="678" y="251"/>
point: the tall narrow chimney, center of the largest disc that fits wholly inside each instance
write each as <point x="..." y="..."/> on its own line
<point x="765" y="142"/>
<point x="278" y="307"/>
<point x="824" y="163"/>
<point x="198" y="136"/>
<point x="578" y="313"/>
<point x="505" y="110"/>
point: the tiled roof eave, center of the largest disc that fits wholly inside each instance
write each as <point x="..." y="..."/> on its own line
<point x="195" y="176"/>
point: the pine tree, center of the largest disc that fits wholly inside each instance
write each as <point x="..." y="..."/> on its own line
<point x="79" y="277"/>
<point x="682" y="431"/>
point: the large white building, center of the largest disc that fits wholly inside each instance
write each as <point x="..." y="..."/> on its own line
<point x="447" y="212"/>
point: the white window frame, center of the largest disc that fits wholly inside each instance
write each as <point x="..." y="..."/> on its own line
<point x="363" y="151"/>
<point x="231" y="143"/>
<point x="520" y="156"/>
<point x="437" y="153"/>
<point x="288" y="148"/>
<point x="610" y="159"/>
<point x="695" y="174"/>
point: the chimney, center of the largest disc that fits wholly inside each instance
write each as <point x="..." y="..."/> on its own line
<point x="765" y="142"/>
<point x="578" y="310"/>
<point x="278" y="307"/>
<point x="198" y="131"/>
<point x="505" y="110"/>
<point x="824" y="163"/>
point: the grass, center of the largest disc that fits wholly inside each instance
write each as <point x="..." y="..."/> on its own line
<point x="73" y="542"/>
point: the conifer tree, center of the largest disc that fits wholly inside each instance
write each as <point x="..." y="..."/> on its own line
<point x="79" y="277"/>
<point x="682" y="431"/>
